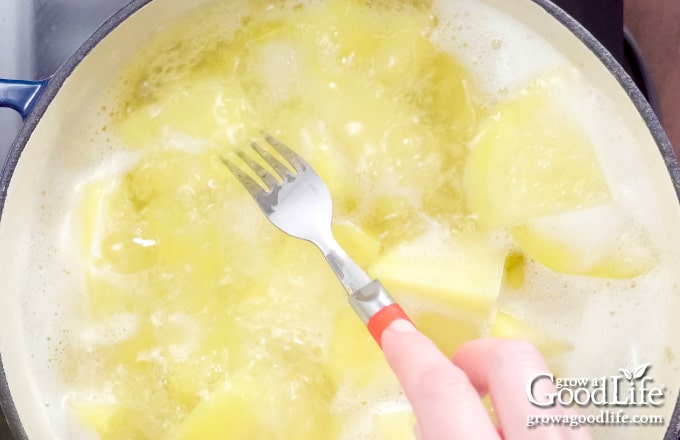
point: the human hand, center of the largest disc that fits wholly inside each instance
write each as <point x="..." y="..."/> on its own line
<point x="446" y="394"/>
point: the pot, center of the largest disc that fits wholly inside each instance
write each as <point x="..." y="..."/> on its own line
<point x="51" y="109"/>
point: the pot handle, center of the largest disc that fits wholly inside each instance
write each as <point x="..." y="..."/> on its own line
<point x="20" y="95"/>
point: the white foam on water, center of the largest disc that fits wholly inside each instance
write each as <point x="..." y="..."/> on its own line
<point x="492" y="45"/>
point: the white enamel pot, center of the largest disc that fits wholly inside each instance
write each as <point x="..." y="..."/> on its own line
<point x="53" y="109"/>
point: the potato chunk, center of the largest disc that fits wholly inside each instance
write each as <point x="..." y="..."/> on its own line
<point x="463" y="271"/>
<point x="396" y="425"/>
<point x="599" y="242"/>
<point x="506" y="325"/>
<point x="529" y="161"/>
<point x="267" y="401"/>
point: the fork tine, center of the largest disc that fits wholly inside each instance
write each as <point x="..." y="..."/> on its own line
<point x="298" y="163"/>
<point x="248" y="183"/>
<point x="269" y="180"/>
<point x="273" y="162"/>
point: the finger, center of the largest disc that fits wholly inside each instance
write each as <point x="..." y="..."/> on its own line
<point x="444" y="402"/>
<point x="416" y="431"/>
<point x="504" y="367"/>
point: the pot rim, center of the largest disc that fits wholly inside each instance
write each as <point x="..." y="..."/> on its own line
<point x="51" y="89"/>
<point x="55" y="82"/>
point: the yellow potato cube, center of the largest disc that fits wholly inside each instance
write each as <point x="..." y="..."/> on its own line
<point x="266" y="402"/>
<point x="599" y="242"/>
<point x="110" y="294"/>
<point x="354" y="358"/>
<point x="361" y="247"/>
<point x="225" y="414"/>
<point x="508" y="326"/>
<point x="447" y="331"/>
<point x="393" y="219"/>
<point x="448" y="97"/>
<point x="395" y="425"/>
<point x="463" y="272"/>
<point x="93" y="201"/>
<point x="523" y="165"/>
<point x="205" y="110"/>
<point x="97" y="415"/>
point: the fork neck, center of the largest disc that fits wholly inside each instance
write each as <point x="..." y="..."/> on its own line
<point x="350" y="275"/>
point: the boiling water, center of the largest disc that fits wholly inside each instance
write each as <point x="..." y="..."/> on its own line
<point x="176" y="300"/>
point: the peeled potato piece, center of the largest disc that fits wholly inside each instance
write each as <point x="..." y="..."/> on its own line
<point x="464" y="271"/>
<point x="225" y="413"/>
<point x="94" y="199"/>
<point x="96" y="415"/>
<point x="396" y="425"/>
<point x="202" y="110"/>
<point x="530" y="161"/>
<point x="508" y="326"/>
<point x="354" y="357"/>
<point x="599" y="242"/>
<point x="447" y="330"/>
<point x="360" y="246"/>
<point x="266" y="401"/>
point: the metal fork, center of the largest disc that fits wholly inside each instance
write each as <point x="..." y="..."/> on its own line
<point x="298" y="202"/>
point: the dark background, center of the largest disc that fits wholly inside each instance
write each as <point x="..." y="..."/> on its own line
<point x="654" y="24"/>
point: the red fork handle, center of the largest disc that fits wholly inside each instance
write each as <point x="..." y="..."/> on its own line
<point x="381" y="320"/>
<point x="376" y="308"/>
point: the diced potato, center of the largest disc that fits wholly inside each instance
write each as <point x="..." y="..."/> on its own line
<point x="94" y="198"/>
<point x="189" y="379"/>
<point x="128" y="253"/>
<point x="179" y="199"/>
<point x="444" y="200"/>
<point x="276" y="62"/>
<point x="463" y="272"/>
<point x="127" y="352"/>
<point x="106" y="212"/>
<point x="599" y="242"/>
<point x="265" y="402"/>
<point x="408" y="158"/>
<point x="361" y="247"/>
<point x="355" y="35"/>
<point x="127" y="422"/>
<point x="393" y="219"/>
<point x="321" y="147"/>
<point x="354" y="358"/>
<point x="109" y="294"/>
<point x="447" y="331"/>
<point x="207" y="110"/>
<point x="157" y="174"/>
<point x="226" y="413"/>
<point x="447" y="96"/>
<point x="395" y="425"/>
<point x="508" y="326"/>
<point x="524" y="165"/>
<point x="96" y="415"/>
<point x="362" y="35"/>
<point x="633" y="255"/>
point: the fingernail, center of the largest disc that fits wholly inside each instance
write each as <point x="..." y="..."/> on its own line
<point x="402" y="326"/>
